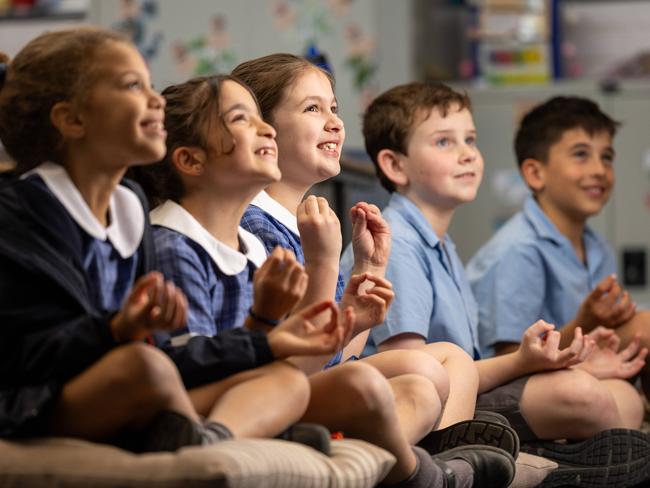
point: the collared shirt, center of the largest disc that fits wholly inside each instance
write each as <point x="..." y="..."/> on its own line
<point x="217" y="280"/>
<point x="276" y="226"/>
<point x="432" y="296"/>
<point x="529" y="271"/>
<point x="109" y="253"/>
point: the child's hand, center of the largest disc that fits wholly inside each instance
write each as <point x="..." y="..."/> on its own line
<point x="371" y="239"/>
<point x="278" y="285"/>
<point x="369" y="296"/>
<point x="540" y="348"/>
<point x="152" y="305"/>
<point x="320" y="232"/>
<point x="298" y="336"/>
<point x="606" y="361"/>
<point x="608" y="305"/>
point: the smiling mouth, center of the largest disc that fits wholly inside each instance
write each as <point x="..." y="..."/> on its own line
<point x="469" y="174"/>
<point x="328" y="146"/>
<point x="154" y="127"/>
<point x="266" y="151"/>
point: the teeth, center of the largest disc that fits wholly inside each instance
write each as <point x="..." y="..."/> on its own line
<point x="155" y="125"/>
<point x="329" y="146"/>
<point x="266" y="151"/>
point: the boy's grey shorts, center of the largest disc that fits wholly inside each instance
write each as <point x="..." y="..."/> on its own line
<point x="506" y="400"/>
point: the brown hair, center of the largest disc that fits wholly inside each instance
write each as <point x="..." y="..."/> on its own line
<point x="545" y="124"/>
<point x="51" y="68"/>
<point x="192" y="107"/>
<point x="270" y="76"/>
<point x="391" y="118"/>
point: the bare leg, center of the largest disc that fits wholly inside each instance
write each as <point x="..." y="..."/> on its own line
<point x="628" y="401"/>
<point x="356" y="399"/>
<point x="401" y="362"/>
<point x="463" y="381"/>
<point x="260" y="402"/>
<point x="568" y="404"/>
<point x="124" y="389"/>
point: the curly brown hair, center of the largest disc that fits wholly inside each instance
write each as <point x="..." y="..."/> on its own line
<point x="53" y="67"/>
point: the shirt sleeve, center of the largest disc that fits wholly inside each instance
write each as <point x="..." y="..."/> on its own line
<point x="511" y="296"/>
<point x="414" y="302"/>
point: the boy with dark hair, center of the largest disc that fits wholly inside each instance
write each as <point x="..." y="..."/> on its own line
<point x="422" y="140"/>
<point x="545" y="261"/>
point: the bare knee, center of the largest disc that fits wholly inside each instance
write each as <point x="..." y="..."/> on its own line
<point x="585" y="399"/>
<point x="365" y="386"/>
<point x="415" y="391"/>
<point x="456" y="361"/>
<point x="143" y="371"/>
<point x="425" y="365"/>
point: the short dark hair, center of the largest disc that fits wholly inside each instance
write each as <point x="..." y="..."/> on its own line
<point x="545" y="124"/>
<point x="390" y="119"/>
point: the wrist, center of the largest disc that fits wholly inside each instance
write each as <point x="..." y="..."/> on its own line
<point x="262" y="318"/>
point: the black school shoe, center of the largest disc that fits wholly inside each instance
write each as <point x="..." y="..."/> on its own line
<point x="315" y="436"/>
<point x="471" y="432"/>
<point x="609" y="447"/>
<point x="493" y="467"/>
<point x="625" y="475"/>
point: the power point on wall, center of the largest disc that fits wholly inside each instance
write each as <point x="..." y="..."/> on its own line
<point x="634" y="266"/>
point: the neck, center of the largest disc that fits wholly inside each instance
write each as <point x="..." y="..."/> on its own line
<point x="219" y="211"/>
<point x="438" y="218"/>
<point x="288" y="194"/>
<point x="572" y="228"/>
<point x="96" y="185"/>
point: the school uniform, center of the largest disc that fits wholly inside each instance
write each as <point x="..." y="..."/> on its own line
<point x="217" y="279"/>
<point x="530" y="271"/>
<point x="433" y="298"/>
<point x="62" y="277"/>
<point x="275" y="226"/>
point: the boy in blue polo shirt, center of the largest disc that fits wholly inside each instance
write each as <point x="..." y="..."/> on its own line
<point x="546" y="262"/>
<point x="422" y="140"/>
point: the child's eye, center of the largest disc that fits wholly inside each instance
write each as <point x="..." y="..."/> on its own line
<point x="335" y="109"/>
<point x="581" y="154"/>
<point x="134" y="85"/>
<point x="240" y="117"/>
<point x="607" y="159"/>
<point x="470" y="141"/>
<point x="443" y="142"/>
<point x="312" y="108"/>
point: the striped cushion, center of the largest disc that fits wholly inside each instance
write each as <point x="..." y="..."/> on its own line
<point x="250" y="463"/>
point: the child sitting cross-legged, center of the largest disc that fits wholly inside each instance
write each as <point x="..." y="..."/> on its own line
<point x="422" y="140"/>
<point x="220" y="155"/>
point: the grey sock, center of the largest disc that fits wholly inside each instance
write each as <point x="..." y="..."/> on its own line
<point x="214" y="432"/>
<point x="427" y="474"/>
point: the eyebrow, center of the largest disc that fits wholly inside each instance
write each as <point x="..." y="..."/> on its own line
<point x="448" y="131"/>
<point x="237" y="106"/>
<point x="316" y="98"/>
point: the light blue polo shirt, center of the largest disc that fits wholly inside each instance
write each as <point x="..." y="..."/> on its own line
<point x="432" y="295"/>
<point x="529" y="271"/>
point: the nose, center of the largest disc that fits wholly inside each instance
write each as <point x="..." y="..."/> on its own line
<point x="156" y="100"/>
<point x="265" y="129"/>
<point x="468" y="153"/>
<point x="334" y="123"/>
<point x="598" y="166"/>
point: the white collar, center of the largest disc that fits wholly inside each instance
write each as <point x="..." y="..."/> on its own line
<point x="127" y="215"/>
<point x="272" y="207"/>
<point x="171" y="215"/>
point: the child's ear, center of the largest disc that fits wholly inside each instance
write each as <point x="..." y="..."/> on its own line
<point x="534" y="174"/>
<point x="189" y="160"/>
<point x="66" y="120"/>
<point x="390" y="163"/>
